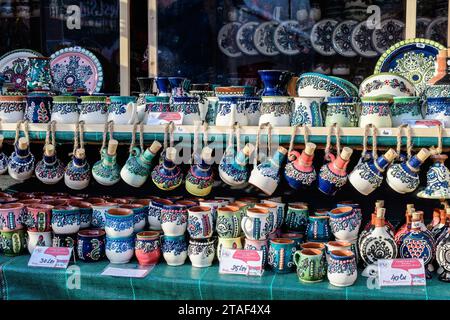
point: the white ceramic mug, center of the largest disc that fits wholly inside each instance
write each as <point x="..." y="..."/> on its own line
<point x="93" y="109"/>
<point x="43" y="239"/>
<point x="122" y="110"/>
<point x="65" y="109"/>
<point x="256" y="225"/>
<point x="12" y="108"/>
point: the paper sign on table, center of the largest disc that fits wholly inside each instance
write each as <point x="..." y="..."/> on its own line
<point x="157" y="118"/>
<point x="425" y="123"/>
<point x="128" y="271"/>
<point x="401" y="272"/>
<point x="245" y="262"/>
<point x="50" y="257"/>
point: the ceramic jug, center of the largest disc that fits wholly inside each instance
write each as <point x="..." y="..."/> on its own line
<point x="333" y="175"/>
<point x="12" y="108"/>
<point x="404" y="177"/>
<point x="438" y="109"/>
<point x="106" y="171"/>
<point x="167" y="175"/>
<point x="122" y="110"/>
<point x="39" y="77"/>
<point x="93" y="109"/>
<point x="188" y="107"/>
<point x="307" y="111"/>
<point x="50" y="170"/>
<point x="276" y="110"/>
<point x="368" y="176"/>
<point x="78" y="172"/>
<point x="21" y="162"/>
<point x="266" y="176"/>
<point x="405" y="108"/>
<point x="300" y="172"/>
<point x="163" y="86"/>
<point x="137" y="168"/>
<point x="438" y="179"/>
<point x="65" y="109"/>
<point x="341" y="110"/>
<point x="376" y="111"/>
<point x="275" y="82"/>
<point x="199" y="179"/>
<point x="233" y="167"/>
<point x="231" y="109"/>
<point x="3" y="157"/>
<point x="39" y="106"/>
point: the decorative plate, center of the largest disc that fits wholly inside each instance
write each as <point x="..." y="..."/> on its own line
<point x="76" y="68"/>
<point x="341" y="38"/>
<point x="312" y="84"/>
<point x="391" y="31"/>
<point x="422" y="24"/>
<point x="413" y="59"/>
<point x="361" y="40"/>
<point x="291" y="38"/>
<point x="437" y="30"/>
<point x="321" y="35"/>
<point x="264" y="38"/>
<point x="226" y="39"/>
<point x="14" y="65"/>
<point x="244" y="38"/>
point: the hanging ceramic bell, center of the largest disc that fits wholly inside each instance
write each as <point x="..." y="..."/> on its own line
<point x="3" y="158"/>
<point x="106" y="171"/>
<point x="167" y="175"/>
<point x="78" y="172"/>
<point x="438" y="179"/>
<point x="300" y="172"/>
<point x="21" y="162"/>
<point x="199" y="179"/>
<point x="50" y="170"/>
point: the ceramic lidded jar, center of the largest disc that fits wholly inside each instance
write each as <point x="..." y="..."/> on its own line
<point x="93" y="109"/>
<point x="78" y="172"/>
<point x="299" y="171"/>
<point x="137" y="168"/>
<point x="333" y="175"/>
<point x="12" y="108"/>
<point x="341" y="110"/>
<point x="188" y="107"/>
<point x="167" y="175"/>
<point x="199" y="180"/>
<point x="39" y="107"/>
<point x="307" y="111"/>
<point x="438" y="179"/>
<point x="276" y="110"/>
<point x="342" y="271"/>
<point x="405" y="108"/>
<point x="21" y="162"/>
<point x="403" y="177"/>
<point x="147" y="247"/>
<point x="376" y="111"/>
<point x="201" y="252"/>
<point x="231" y="109"/>
<point x="91" y="245"/>
<point x="39" y="77"/>
<point x="106" y="171"/>
<point x="438" y="109"/>
<point x="233" y="166"/>
<point x="174" y="249"/>
<point x="3" y="158"/>
<point x="50" y="170"/>
<point x="65" y="109"/>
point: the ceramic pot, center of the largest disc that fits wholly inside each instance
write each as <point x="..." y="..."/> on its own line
<point x="376" y="111"/>
<point x="137" y="168"/>
<point x="93" y="109"/>
<point x="148" y="248"/>
<point x="11" y="216"/>
<point x="228" y="243"/>
<point x="119" y="223"/>
<point x="275" y="82"/>
<point x="200" y="222"/>
<point x="119" y="250"/>
<point x="39" y="217"/>
<point x="39" y="77"/>
<point x="438" y="179"/>
<point x="154" y="213"/>
<point x="252" y="107"/>
<point x="310" y="265"/>
<point x="65" y="220"/>
<point x="299" y="171"/>
<point x="297" y="218"/>
<point x="91" y="245"/>
<point x="106" y="171"/>
<point x="174" y="219"/>
<point x="342" y="111"/>
<point x="256" y="224"/>
<point x="12" y="108"/>
<point x="405" y="108"/>
<point x="342" y="270"/>
<point x="276" y="110"/>
<point x="65" y="109"/>
<point x="155" y="104"/>
<point x="307" y="111"/>
<point x="85" y="212"/>
<point x="122" y="110"/>
<point x="345" y="223"/>
<point x="336" y="245"/>
<point x="50" y="170"/>
<point x="99" y="211"/>
<point x="231" y="109"/>
<point x="386" y="84"/>
<point x="201" y="252"/>
<point x="233" y="166"/>
<point x="21" y="162"/>
<point x="199" y="180"/>
<point x="279" y="219"/>
<point x="41" y="239"/>
<point x="65" y="240"/>
<point x="318" y="229"/>
<point x="333" y="175"/>
<point x="188" y="107"/>
<point x="78" y="171"/>
<point x="259" y="245"/>
<point x="438" y="109"/>
<point x="39" y="106"/>
<point x="228" y="223"/>
<point x="174" y="249"/>
<point x="281" y="252"/>
<point x="13" y="242"/>
<point x="167" y="175"/>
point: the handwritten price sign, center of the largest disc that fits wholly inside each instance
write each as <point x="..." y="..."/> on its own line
<point x="245" y="262"/>
<point x="401" y="272"/>
<point x="50" y="257"/>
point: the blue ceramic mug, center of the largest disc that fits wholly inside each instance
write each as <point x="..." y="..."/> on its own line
<point x="174" y="249"/>
<point x="66" y="219"/>
<point x="122" y="110"/>
<point x="39" y="107"/>
<point x="91" y="245"/>
<point x="281" y="253"/>
<point x="318" y="229"/>
<point x="119" y="250"/>
<point x="119" y="222"/>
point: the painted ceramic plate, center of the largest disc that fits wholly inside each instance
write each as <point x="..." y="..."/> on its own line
<point x="437" y="30"/>
<point x="313" y="84"/>
<point x="361" y="40"/>
<point x="264" y="38"/>
<point x="321" y="36"/>
<point x="341" y="38"/>
<point x="226" y="39"/>
<point x="422" y="24"/>
<point x="390" y="32"/>
<point x="76" y="68"/>
<point x="292" y="38"/>
<point x="244" y="38"/>
<point x="413" y="59"/>
<point x="14" y="65"/>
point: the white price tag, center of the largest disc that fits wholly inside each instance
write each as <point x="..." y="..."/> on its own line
<point x="50" y="257"/>
<point x="128" y="271"/>
<point x="245" y="262"/>
<point x="401" y="272"/>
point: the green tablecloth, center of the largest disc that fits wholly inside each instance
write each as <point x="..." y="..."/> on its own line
<point x="18" y="281"/>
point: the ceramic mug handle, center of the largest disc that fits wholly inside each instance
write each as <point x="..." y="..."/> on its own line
<point x="297" y="256"/>
<point x="133" y="117"/>
<point x="244" y="224"/>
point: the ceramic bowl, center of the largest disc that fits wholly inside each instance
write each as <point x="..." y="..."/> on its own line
<point x="119" y="250"/>
<point x="384" y="84"/>
<point x="312" y="84"/>
<point x="119" y="222"/>
<point x="65" y="219"/>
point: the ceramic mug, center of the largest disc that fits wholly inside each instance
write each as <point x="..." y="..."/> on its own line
<point x="273" y="214"/>
<point x="228" y="223"/>
<point x="214" y="205"/>
<point x="65" y="219"/>
<point x="12" y="108"/>
<point x="38" y="109"/>
<point x="139" y="215"/>
<point x="200" y="222"/>
<point x="228" y="243"/>
<point x="13" y="242"/>
<point x="256" y="224"/>
<point x="119" y="250"/>
<point x="154" y="213"/>
<point x="85" y="212"/>
<point x="119" y="223"/>
<point x="376" y="111"/>
<point x="64" y="240"/>
<point x="174" y="249"/>
<point x="310" y="265"/>
<point x="345" y="223"/>
<point x="122" y="110"/>
<point x="93" y="109"/>
<point x="11" y="216"/>
<point x="297" y="217"/>
<point x="148" y="247"/>
<point x="99" y="210"/>
<point x="39" y="217"/>
<point x="188" y="107"/>
<point x="174" y="219"/>
<point x="259" y="245"/>
<point x="342" y="270"/>
<point x="280" y="211"/>
<point x="342" y="111"/>
<point x="318" y="229"/>
<point x="231" y="109"/>
<point x="296" y="236"/>
<point x="91" y="245"/>
<point x="65" y="109"/>
<point x="201" y="252"/>
<point x="42" y="239"/>
<point x="337" y="245"/>
<point x="307" y="111"/>
<point x="276" y="110"/>
<point x="281" y="253"/>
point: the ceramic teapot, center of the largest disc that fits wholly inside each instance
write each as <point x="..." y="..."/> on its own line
<point x="3" y="158"/>
<point x="167" y="175"/>
<point x="333" y="175"/>
<point x="50" y="170"/>
<point x="78" y="172"/>
<point x="137" y="168"/>
<point x="21" y="162"/>
<point x="233" y="167"/>
<point x="106" y="171"/>
<point x="199" y="179"/>
<point x="300" y="172"/>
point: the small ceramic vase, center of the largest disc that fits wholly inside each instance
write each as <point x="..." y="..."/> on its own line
<point x="119" y="223"/>
<point x="307" y="111"/>
<point x="65" y="109"/>
<point x="342" y="271"/>
<point x="368" y="176"/>
<point x="231" y="109"/>
<point x="259" y="245"/>
<point x="228" y="224"/>
<point x="122" y="110"/>
<point x="39" y="77"/>
<point x="39" y="106"/>
<point x="85" y="212"/>
<point x="376" y="111"/>
<point x="276" y="110"/>
<point x="199" y="180"/>
<point x="13" y="242"/>
<point x="228" y="243"/>
<point x="93" y="109"/>
<point x="342" y="111"/>
<point x="174" y="219"/>
<point x="201" y="252"/>
<point x="119" y="250"/>
<point x="106" y="171"/>
<point x="41" y="239"/>
<point x="137" y="168"/>
<point x="333" y="175"/>
<point x="50" y="170"/>
<point x="188" y="107"/>
<point x="78" y="172"/>
<point x="148" y="247"/>
<point x="256" y="224"/>
<point x="202" y="91"/>
<point x="65" y="219"/>
<point x="174" y="249"/>
<point x="12" y="108"/>
<point x="154" y="213"/>
<point x="281" y="252"/>
<point x="200" y="222"/>
<point x="140" y="213"/>
<point x="438" y="109"/>
<point x="11" y="216"/>
<point x="438" y="179"/>
<point x="252" y="109"/>
<point x="167" y="175"/>
<point x="297" y="218"/>
<point x="345" y="223"/>
<point x="318" y="229"/>
<point x="91" y="245"/>
<point x="21" y="162"/>
<point x="275" y="82"/>
<point x="39" y="217"/>
<point x="233" y="167"/>
<point x="405" y="108"/>
<point x="403" y="177"/>
<point x="310" y="265"/>
<point x="99" y="211"/>
<point x="300" y="172"/>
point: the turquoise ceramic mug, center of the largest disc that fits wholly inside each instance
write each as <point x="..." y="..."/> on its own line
<point x="281" y="251"/>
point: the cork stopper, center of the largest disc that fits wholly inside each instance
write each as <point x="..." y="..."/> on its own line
<point x="248" y="149"/>
<point x="442" y="216"/>
<point x="379" y="204"/>
<point x="423" y="154"/>
<point x="207" y="154"/>
<point x="415" y="216"/>
<point x="1" y="139"/>
<point x="447" y="211"/>
<point x="49" y="150"/>
<point x="409" y="207"/>
<point x="310" y="148"/>
<point x="390" y="155"/>
<point x="154" y="148"/>
<point x="171" y="153"/>
<point x="420" y="214"/>
<point x="346" y="153"/>
<point x="23" y="143"/>
<point x="80" y="153"/>
<point x="282" y="150"/>
<point x="112" y="147"/>
<point x="380" y="212"/>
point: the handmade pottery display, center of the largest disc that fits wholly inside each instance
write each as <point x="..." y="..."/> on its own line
<point x="256" y="224"/>
<point x="91" y="245"/>
<point x="36" y="238"/>
<point x="50" y="170"/>
<point x="376" y="111"/>
<point x="281" y="252"/>
<point x="201" y="252"/>
<point x="342" y="271"/>
<point x="21" y="162"/>
<point x="119" y="250"/>
<point x="122" y="110"/>
<point x="39" y="77"/>
<point x="188" y="107"/>
<point x="99" y="211"/>
<point x="277" y="110"/>
<point x="200" y="222"/>
<point x="233" y="166"/>
<point x="65" y="219"/>
<point x="174" y="249"/>
<point x="174" y="219"/>
<point x="93" y="109"/>
<point x="310" y="265"/>
<point x="299" y="171"/>
<point x="438" y="179"/>
<point x="148" y="247"/>
<point x="199" y="180"/>
<point x="11" y="216"/>
<point x="307" y="111"/>
<point x="342" y="111"/>
<point x="106" y="171"/>
<point x="333" y="175"/>
<point x="65" y="109"/>
<point x="12" y="108"/>
<point x="168" y="175"/>
<point x="318" y="229"/>
<point x="345" y="223"/>
<point x="13" y="242"/>
<point x="78" y="171"/>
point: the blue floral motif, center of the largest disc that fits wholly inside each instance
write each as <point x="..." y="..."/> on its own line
<point x="10" y="107"/>
<point x="62" y="219"/>
<point x="119" y="223"/>
<point x="350" y="222"/>
<point x="174" y="245"/>
<point x="120" y="245"/>
<point x="174" y="216"/>
<point x="65" y="108"/>
<point x="117" y="108"/>
<point x="186" y="107"/>
<point x="21" y="165"/>
<point x="98" y="218"/>
<point x="147" y="245"/>
<point x="347" y="266"/>
<point x="87" y="108"/>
